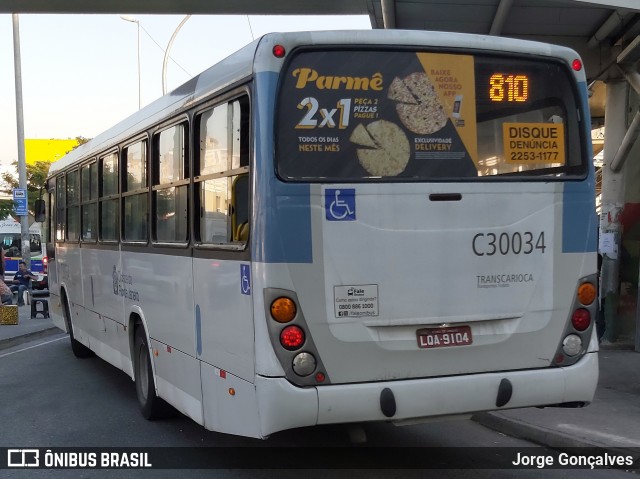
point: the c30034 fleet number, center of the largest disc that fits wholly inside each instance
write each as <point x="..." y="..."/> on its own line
<point x="489" y="244"/>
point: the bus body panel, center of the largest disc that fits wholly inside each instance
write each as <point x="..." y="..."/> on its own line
<point x="445" y="396"/>
<point x="284" y="406"/>
<point x="100" y="283"/>
<point x="223" y="319"/>
<point x="420" y="263"/>
<point x="110" y="341"/>
<point x="265" y="61"/>
<point x="178" y="381"/>
<point x="224" y="411"/>
<point x="69" y="267"/>
<point x="162" y="286"/>
<point x="226" y="328"/>
<point x="52" y="271"/>
<point x="523" y="321"/>
<point x="443" y="262"/>
<point x="357" y="352"/>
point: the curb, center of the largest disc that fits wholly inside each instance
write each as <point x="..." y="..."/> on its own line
<point x="25" y="338"/>
<point x="544" y="436"/>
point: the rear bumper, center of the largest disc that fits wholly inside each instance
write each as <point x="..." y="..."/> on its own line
<point x="284" y="406"/>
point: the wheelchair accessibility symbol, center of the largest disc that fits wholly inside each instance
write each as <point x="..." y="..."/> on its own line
<point x="340" y="204"/>
<point x="245" y="279"/>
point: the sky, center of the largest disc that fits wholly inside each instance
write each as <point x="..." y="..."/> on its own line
<point x="80" y="72"/>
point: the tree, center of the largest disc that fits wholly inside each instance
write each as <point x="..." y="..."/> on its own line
<point x="81" y="141"/>
<point x="36" y="180"/>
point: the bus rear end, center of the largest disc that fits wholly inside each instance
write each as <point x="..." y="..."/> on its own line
<point x="427" y="229"/>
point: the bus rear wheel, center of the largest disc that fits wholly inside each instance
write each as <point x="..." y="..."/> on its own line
<point x="151" y="406"/>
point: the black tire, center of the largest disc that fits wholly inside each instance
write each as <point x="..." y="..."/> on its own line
<point x="79" y="349"/>
<point x="151" y="406"/>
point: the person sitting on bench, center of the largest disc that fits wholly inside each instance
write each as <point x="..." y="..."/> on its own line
<point x="22" y="281"/>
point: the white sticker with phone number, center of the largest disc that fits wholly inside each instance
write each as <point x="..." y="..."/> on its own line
<point x="355" y="301"/>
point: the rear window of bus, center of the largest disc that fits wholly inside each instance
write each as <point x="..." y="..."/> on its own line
<point x="422" y="116"/>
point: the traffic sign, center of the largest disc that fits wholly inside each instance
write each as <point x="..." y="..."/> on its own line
<point x="20" y="201"/>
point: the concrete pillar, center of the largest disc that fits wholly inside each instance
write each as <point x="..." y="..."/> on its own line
<point x="612" y="203"/>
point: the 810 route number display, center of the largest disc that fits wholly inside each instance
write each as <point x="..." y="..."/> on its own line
<point x="506" y="87"/>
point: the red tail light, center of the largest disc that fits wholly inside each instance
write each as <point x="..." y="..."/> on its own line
<point x="279" y="51"/>
<point x="45" y="264"/>
<point x="581" y="319"/>
<point x="292" y="337"/>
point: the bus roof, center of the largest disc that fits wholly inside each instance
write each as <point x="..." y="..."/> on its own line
<point x="254" y="58"/>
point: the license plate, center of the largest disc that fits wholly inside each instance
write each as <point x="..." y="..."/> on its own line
<point x="444" y="337"/>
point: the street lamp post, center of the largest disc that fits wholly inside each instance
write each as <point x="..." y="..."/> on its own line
<point x="137" y="22"/>
<point x="22" y="163"/>
<point x="166" y="54"/>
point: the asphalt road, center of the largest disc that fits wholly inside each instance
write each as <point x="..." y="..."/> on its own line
<point x="51" y="399"/>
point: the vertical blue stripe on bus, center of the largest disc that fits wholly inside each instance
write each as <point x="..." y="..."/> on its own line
<point x="198" y="331"/>
<point x="282" y="211"/>
<point x="579" y="220"/>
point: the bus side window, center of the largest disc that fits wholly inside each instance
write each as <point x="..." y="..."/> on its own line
<point x="221" y="173"/>
<point x="240" y="207"/>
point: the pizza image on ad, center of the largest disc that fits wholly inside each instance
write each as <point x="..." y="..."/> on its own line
<point x="418" y="105"/>
<point x="386" y="149"/>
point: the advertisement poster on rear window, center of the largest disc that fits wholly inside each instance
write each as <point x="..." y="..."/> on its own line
<point x="359" y="114"/>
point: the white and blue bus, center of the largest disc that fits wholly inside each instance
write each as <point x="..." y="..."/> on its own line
<point x="335" y="227"/>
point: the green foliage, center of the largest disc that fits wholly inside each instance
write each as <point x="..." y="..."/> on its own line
<point x="81" y="141"/>
<point x="6" y="208"/>
<point x="36" y="180"/>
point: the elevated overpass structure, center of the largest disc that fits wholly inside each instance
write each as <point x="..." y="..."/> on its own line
<point x="606" y="33"/>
